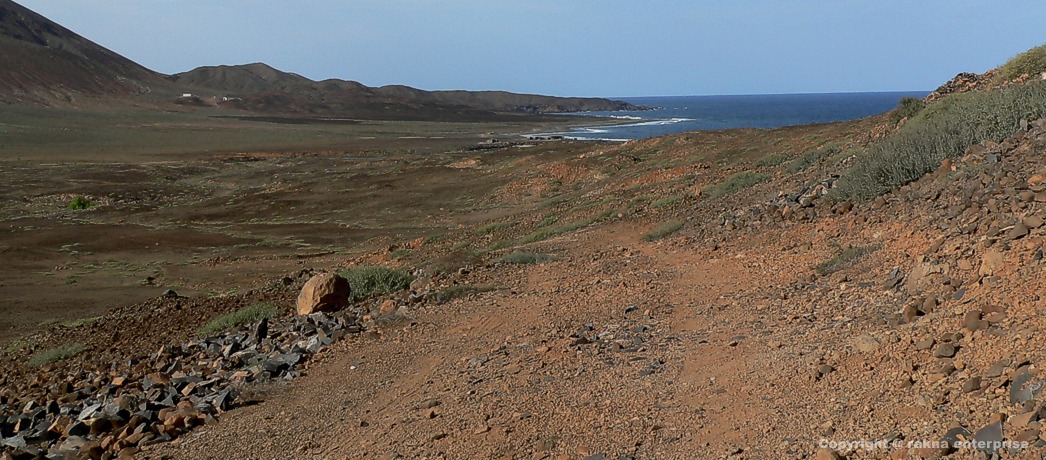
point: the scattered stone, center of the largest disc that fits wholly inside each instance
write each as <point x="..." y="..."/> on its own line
<point x="972" y="321"/>
<point x="925" y="344"/>
<point x="828" y="454"/>
<point x="945" y="350"/>
<point x="1022" y="420"/>
<point x="1023" y="389"/>
<point x="991" y="263"/>
<point x="823" y="370"/>
<point x="972" y="384"/>
<point x="989" y="438"/>
<point x="1018" y="231"/>
<point x="910" y="313"/>
<point x="261" y="330"/>
<point x="996" y="369"/>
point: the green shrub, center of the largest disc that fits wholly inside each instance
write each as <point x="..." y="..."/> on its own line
<point x="522" y="258"/>
<point x="942" y="130"/>
<point x="772" y="159"/>
<point x="845" y="258"/>
<point x="1031" y="62"/>
<point x="54" y="355"/>
<point x="666" y="201"/>
<point x="908" y="107"/>
<point x="549" y="220"/>
<point x="80" y="203"/>
<point x="810" y="158"/>
<point x="495" y="227"/>
<point x="370" y="281"/>
<point x="739" y="181"/>
<point x="244" y="315"/>
<point x="663" y="231"/>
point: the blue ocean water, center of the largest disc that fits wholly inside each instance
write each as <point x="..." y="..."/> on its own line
<point x="702" y="113"/>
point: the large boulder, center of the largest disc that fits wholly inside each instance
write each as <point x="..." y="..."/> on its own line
<point x="324" y="292"/>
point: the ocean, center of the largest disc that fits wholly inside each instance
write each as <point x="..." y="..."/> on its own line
<point x="703" y="113"/>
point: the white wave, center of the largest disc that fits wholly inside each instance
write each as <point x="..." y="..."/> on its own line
<point x="577" y="133"/>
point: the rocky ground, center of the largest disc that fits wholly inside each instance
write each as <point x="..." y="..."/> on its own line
<point x="772" y="324"/>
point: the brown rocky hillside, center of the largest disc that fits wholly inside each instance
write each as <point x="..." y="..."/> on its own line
<point x="650" y="311"/>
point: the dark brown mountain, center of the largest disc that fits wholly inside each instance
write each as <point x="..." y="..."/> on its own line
<point x="259" y="78"/>
<point x="43" y="63"/>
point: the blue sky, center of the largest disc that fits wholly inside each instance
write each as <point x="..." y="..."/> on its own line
<point x="606" y="48"/>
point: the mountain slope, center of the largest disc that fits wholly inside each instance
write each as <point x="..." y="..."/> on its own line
<point x="249" y="80"/>
<point x="42" y="62"/>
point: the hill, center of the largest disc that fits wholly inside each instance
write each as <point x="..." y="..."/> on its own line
<point x="45" y="64"/>
<point x="260" y="87"/>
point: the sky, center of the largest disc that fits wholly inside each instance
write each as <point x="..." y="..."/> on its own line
<point x="604" y="48"/>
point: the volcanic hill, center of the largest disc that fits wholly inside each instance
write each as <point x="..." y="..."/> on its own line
<point x="43" y="63"/>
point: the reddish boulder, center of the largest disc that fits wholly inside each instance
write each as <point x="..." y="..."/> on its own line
<point x="324" y="292"/>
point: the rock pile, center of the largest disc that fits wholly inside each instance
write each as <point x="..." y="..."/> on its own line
<point x="962" y="83"/>
<point x="158" y="397"/>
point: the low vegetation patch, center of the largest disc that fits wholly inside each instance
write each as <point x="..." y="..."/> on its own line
<point x="739" y="181"/>
<point x="75" y="323"/>
<point x="770" y="160"/>
<point x="566" y="228"/>
<point x="666" y="201"/>
<point x="663" y="231"/>
<point x="460" y="290"/>
<point x="908" y="107"/>
<point x="495" y="227"/>
<point x="454" y="260"/>
<point x="433" y="239"/>
<point x="942" y="130"/>
<point x="16" y="346"/>
<point x="1031" y="62"/>
<point x="844" y="259"/>
<point x="370" y="281"/>
<point x="522" y="258"/>
<point x="811" y="158"/>
<point x="54" y="355"/>
<point x="239" y="317"/>
<point x="549" y="220"/>
<point x="80" y="203"/>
